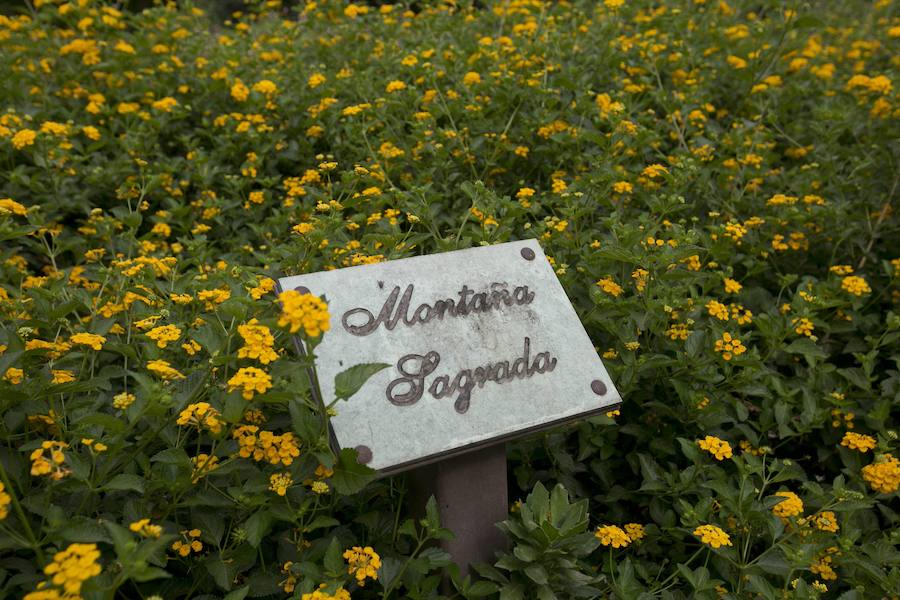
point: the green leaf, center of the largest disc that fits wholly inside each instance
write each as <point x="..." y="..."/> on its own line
<point x="238" y="594"/>
<point x="257" y="526"/>
<point x="512" y="591"/>
<point x="84" y="530"/>
<point x="432" y="514"/>
<point x="216" y="567"/>
<point x="334" y="560"/>
<point x="148" y="573"/>
<point x="347" y="383"/>
<point x="807" y="348"/>
<point x="322" y="521"/>
<point x="526" y="553"/>
<point x="107" y="422"/>
<point x="538" y="501"/>
<point x="124" y="481"/>
<point x="537" y="574"/>
<point x="350" y="476"/>
<point x="481" y="588"/>
<point x="305" y="422"/>
<point x="235" y="405"/>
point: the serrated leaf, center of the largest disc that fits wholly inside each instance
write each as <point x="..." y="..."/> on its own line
<point x="125" y="481"/>
<point x="334" y="561"/>
<point x="348" y="382"/>
<point x="238" y="594"/>
<point x="257" y="526"/>
<point x="350" y="476"/>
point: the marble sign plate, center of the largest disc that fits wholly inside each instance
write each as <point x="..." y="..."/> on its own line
<point x="483" y="345"/>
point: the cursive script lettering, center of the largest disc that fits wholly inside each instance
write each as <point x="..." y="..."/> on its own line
<point x="360" y="321"/>
<point x="415" y="368"/>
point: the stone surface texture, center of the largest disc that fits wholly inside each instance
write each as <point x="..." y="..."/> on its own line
<point x="410" y="431"/>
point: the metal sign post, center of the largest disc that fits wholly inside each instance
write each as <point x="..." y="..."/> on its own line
<point x="471" y="494"/>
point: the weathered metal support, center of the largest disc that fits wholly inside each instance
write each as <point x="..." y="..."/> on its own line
<point x="471" y="494"/>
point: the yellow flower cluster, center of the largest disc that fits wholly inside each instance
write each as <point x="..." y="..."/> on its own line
<point x="802" y="326"/>
<point x="280" y="482"/>
<point x="8" y="206"/>
<point x="290" y="581"/>
<point x="303" y="311"/>
<point x="635" y="531"/>
<point x="826" y="521"/>
<point x="69" y="570"/>
<point x="62" y="376"/>
<point x="730" y="346"/>
<point x="717" y="310"/>
<point x="144" y="528"/>
<point x="715" y="446"/>
<point x="858" y="441"/>
<point x="200" y="415"/>
<point x="14" y="375"/>
<point x="612" y="535"/>
<point x="94" y="445"/>
<point x="212" y="298"/>
<point x="610" y="287"/>
<point x="123" y="400"/>
<point x="24" y="138"/>
<point x="883" y="475"/>
<point x="732" y="286"/>
<point x="5" y="501"/>
<point x="712" y="536"/>
<point x="164" y="334"/>
<point x="189" y="542"/>
<point x="320" y="594"/>
<point x="678" y="331"/>
<point x="266" y="285"/>
<point x="250" y="380"/>
<point x="164" y="369"/>
<point x="50" y="465"/>
<point x="202" y="465"/>
<point x="791" y="506"/>
<point x="855" y="285"/>
<point x="258" y="342"/>
<point x="823" y="565"/>
<point x="362" y="563"/>
<point x="88" y="339"/>
<point x="265" y="445"/>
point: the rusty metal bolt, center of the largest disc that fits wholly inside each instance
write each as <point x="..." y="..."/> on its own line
<point x="598" y="387"/>
<point x="364" y="455"/>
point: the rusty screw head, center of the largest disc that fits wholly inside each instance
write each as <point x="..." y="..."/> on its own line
<point x="302" y="289"/>
<point x="598" y="387"/>
<point x="364" y="455"/>
<point x="527" y="253"/>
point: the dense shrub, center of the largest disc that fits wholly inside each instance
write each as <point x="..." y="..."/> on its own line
<point x="714" y="181"/>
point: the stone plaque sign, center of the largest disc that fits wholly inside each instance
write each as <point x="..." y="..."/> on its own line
<point x="483" y="345"/>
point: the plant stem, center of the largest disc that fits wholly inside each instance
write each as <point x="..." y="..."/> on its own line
<point x="21" y="514"/>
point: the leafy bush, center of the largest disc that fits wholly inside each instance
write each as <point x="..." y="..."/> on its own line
<point x="550" y="540"/>
<point x="714" y="183"/>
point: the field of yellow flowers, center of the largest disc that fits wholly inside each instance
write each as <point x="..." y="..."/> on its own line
<point x="714" y="181"/>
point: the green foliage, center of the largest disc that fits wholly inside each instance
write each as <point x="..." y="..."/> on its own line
<point x="713" y="182"/>
<point x="550" y="540"/>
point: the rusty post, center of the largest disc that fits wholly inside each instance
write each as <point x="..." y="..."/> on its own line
<point x="471" y="493"/>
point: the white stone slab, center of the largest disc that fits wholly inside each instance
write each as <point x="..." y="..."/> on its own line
<point x="394" y="426"/>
